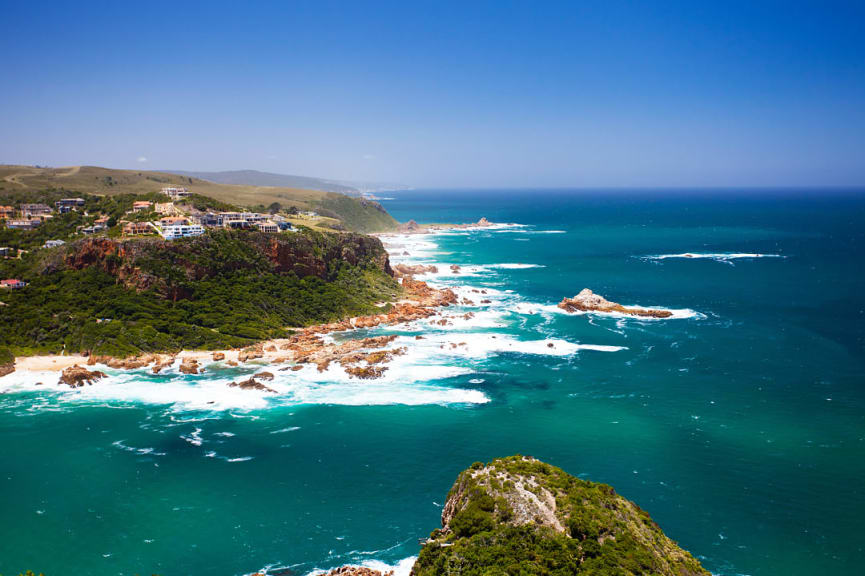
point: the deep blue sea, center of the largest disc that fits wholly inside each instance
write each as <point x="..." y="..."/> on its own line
<point x="738" y="424"/>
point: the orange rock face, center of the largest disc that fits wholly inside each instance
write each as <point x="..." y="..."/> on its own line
<point x="189" y="366"/>
<point x="357" y="571"/>
<point x="77" y="376"/>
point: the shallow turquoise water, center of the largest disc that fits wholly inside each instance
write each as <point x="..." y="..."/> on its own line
<point x="741" y="428"/>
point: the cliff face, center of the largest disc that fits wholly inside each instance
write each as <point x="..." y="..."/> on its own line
<point x="154" y="263"/>
<point x="520" y="516"/>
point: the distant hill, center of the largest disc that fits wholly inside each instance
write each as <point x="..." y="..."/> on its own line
<point x="357" y="214"/>
<point x="256" y="178"/>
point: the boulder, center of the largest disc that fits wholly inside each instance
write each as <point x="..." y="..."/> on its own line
<point x="251" y="384"/>
<point x="189" y="366"/>
<point x="77" y="376"/>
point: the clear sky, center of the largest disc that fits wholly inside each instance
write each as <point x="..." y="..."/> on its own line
<point x="441" y="93"/>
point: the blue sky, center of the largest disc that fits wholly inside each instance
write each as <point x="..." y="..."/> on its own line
<point x="443" y="93"/>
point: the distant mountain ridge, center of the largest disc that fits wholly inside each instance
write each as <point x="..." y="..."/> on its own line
<point x="257" y="178"/>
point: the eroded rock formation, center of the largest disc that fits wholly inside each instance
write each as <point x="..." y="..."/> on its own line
<point x="588" y="301"/>
<point x="77" y="376"/>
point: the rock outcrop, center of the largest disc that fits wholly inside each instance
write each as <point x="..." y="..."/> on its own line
<point x="403" y="270"/>
<point x="588" y="301"/>
<point x="189" y="366"/>
<point x="535" y="515"/>
<point x="251" y="384"/>
<point x="357" y="571"/>
<point x="411" y="227"/>
<point x="7" y="368"/>
<point x="77" y="376"/>
<point x="518" y="515"/>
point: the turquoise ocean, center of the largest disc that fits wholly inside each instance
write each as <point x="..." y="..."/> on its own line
<point x="738" y="424"/>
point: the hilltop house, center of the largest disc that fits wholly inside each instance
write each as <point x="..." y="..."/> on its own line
<point x="138" y="228"/>
<point x="53" y="243"/>
<point x="165" y="208"/>
<point x="23" y="224"/>
<point x="175" y="192"/>
<point x="174" y="231"/>
<point x="5" y="252"/>
<point x="12" y="284"/>
<point x="35" y="210"/>
<point x="211" y="219"/>
<point x="174" y="221"/>
<point x="141" y="206"/>
<point x="65" y="205"/>
<point x="268" y="226"/>
<point x="7" y="212"/>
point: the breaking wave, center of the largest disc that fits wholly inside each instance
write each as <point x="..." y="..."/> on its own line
<point x="725" y="257"/>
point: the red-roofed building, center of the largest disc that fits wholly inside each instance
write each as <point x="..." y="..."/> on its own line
<point x="142" y="206"/>
<point x="12" y="284"/>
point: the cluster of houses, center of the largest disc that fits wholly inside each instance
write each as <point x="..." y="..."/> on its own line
<point x="182" y="226"/>
<point x="30" y="216"/>
<point x="173" y="224"/>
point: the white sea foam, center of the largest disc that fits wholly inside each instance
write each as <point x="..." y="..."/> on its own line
<point x="401" y="568"/>
<point x="726" y="257"/>
<point x="514" y="266"/>
<point x="521" y="231"/>
<point x="142" y="451"/>
<point x="549" y="309"/>
<point x="193" y="437"/>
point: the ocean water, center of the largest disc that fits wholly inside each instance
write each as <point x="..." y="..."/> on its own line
<point x="738" y="424"/>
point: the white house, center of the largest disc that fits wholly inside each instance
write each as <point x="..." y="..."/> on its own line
<point x="175" y="231"/>
<point x="175" y="192"/>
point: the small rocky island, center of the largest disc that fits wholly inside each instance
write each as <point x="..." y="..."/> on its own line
<point x="588" y="301"/>
<point x="518" y="515"/>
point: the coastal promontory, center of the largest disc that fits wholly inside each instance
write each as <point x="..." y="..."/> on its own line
<point x="519" y="515"/>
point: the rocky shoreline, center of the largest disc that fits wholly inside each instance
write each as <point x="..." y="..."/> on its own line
<point x="364" y="358"/>
<point x="412" y="227"/>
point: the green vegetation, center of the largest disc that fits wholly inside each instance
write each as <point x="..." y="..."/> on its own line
<point x="520" y="516"/>
<point x="206" y="204"/>
<point x="223" y="289"/>
<point x="357" y="214"/>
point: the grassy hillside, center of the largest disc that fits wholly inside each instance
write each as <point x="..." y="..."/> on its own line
<point x="355" y="214"/>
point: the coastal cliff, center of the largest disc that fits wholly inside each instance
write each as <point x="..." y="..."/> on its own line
<point x="518" y="515"/>
<point x="146" y="263"/>
<point x="224" y="289"/>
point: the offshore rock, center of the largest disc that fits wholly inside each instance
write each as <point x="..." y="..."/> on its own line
<point x="77" y="376"/>
<point x="588" y="301"/>
<point x="251" y="384"/>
